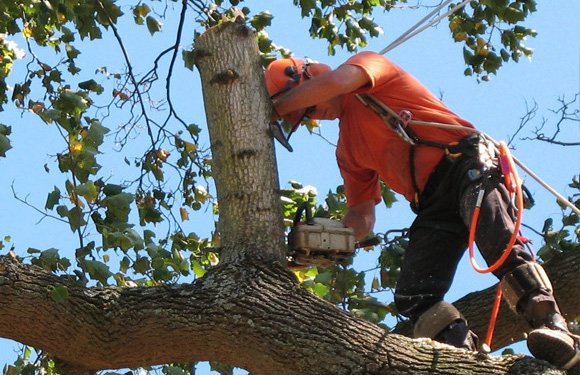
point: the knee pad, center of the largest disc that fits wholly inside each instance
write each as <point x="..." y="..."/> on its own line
<point x="522" y="281"/>
<point x="436" y="319"/>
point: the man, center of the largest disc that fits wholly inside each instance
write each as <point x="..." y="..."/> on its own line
<point x="441" y="172"/>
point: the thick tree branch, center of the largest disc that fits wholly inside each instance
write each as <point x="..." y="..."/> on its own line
<point x="251" y="315"/>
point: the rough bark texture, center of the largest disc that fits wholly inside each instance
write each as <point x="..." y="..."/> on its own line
<point x="244" y="164"/>
<point x="248" y="314"/>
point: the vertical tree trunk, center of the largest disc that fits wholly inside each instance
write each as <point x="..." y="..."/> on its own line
<point x="244" y="165"/>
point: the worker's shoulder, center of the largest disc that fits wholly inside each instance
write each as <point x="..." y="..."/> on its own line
<point x="366" y="58"/>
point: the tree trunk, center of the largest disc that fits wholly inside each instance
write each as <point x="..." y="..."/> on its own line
<point x="244" y="163"/>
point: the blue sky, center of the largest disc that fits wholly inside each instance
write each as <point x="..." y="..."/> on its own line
<point x="494" y="107"/>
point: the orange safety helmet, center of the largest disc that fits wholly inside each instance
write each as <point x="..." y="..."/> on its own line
<point x="283" y="74"/>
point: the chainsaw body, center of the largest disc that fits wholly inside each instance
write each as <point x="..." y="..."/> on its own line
<point x="319" y="241"/>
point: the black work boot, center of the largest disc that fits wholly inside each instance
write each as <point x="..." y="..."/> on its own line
<point x="458" y="335"/>
<point x="551" y="340"/>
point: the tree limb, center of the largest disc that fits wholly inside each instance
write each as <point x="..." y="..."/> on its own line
<point x="250" y="314"/>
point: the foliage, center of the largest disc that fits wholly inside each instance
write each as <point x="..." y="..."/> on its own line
<point x="566" y="236"/>
<point x="478" y="29"/>
<point x="130" y="228"/>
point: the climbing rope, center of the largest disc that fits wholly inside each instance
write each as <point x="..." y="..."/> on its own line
<point x="514" y="185"/>
<point x="412" y="32"/>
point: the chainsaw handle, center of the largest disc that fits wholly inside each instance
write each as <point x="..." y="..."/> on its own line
<point x="303" y="207"/>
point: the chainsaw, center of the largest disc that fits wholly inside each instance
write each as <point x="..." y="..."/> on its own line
<point x="320" y="241"/>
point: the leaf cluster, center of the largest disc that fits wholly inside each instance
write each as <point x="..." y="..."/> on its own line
<point x="564" y="236"/>
<point x="492" y="34"/>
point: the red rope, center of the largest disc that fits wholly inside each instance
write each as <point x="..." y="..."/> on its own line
<point x="513" y="183"/>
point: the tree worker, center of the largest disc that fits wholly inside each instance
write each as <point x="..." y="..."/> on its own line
<point x="441" y="172"/>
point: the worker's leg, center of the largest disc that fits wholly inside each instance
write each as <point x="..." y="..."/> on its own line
<point x="427" y="271"/>
<point x="526" y="286"/>
<point x="437" y="241"/>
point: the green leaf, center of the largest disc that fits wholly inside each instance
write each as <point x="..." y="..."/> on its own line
<point x="388" y="196"/>
<point x="52" y="199"/>
<point x="197" y="268"/>
<point x="321" y="290"/>
<point x="87" y="190"/>
<point x="97" y="270"/>
<point x="142" y="265"/>
<point x="91" y="85"/>
<point x="4" y="141"/>
<point x="188" y="59"/>
<point x="173" y="370"/>
<point x="71" y="51"/>
<point x="58" y="293"/>
<point x="261" y="20"/>
<point x="141" y="10"/>
<point x="153" y="25"/>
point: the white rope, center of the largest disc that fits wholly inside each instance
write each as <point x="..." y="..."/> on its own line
<point x="409" y="33"/>
<point x="402" y="36"/>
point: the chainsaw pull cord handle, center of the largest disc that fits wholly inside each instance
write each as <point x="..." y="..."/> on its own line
<point x="514" y="185"/>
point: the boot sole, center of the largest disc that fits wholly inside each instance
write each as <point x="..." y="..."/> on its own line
<point x="551" y="345"/>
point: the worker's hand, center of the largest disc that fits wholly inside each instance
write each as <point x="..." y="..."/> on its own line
<point x="361" y="218"/>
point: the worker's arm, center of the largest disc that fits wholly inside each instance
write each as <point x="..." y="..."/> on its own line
<point x="344" y="79"/>
<point x="361" y="217"/>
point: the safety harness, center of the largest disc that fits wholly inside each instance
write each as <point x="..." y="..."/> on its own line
<point x="398" y="123"/>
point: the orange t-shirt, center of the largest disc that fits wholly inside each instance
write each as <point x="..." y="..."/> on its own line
<point x="367" y="148"/>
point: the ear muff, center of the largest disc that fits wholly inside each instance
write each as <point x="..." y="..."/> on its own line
<point x="283" y="74"/>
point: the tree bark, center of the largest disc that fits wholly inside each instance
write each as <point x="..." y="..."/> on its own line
<point x="251" y="315"/>
<point x="244" y="163"/>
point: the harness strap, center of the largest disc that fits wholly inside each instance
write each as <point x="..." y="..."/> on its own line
<point x="398" y="123"/>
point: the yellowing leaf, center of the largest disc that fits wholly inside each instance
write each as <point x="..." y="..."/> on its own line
<point x="299" y="275"/>
<point x="121" y="95"/>
<point x="76" y="201"/>
<point x="162" y="154"/>
<point x="215" y="239"/>
<point x="190" y="147"/>
<point x="36" y="107"/>
<point x="184" y="214"/>
<point x="75" y="147"/>
<point x="375" y="285"/>
<point x="213" y="259"/>
<point x="459" y="37"/>
<point x="27" y="32"/>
